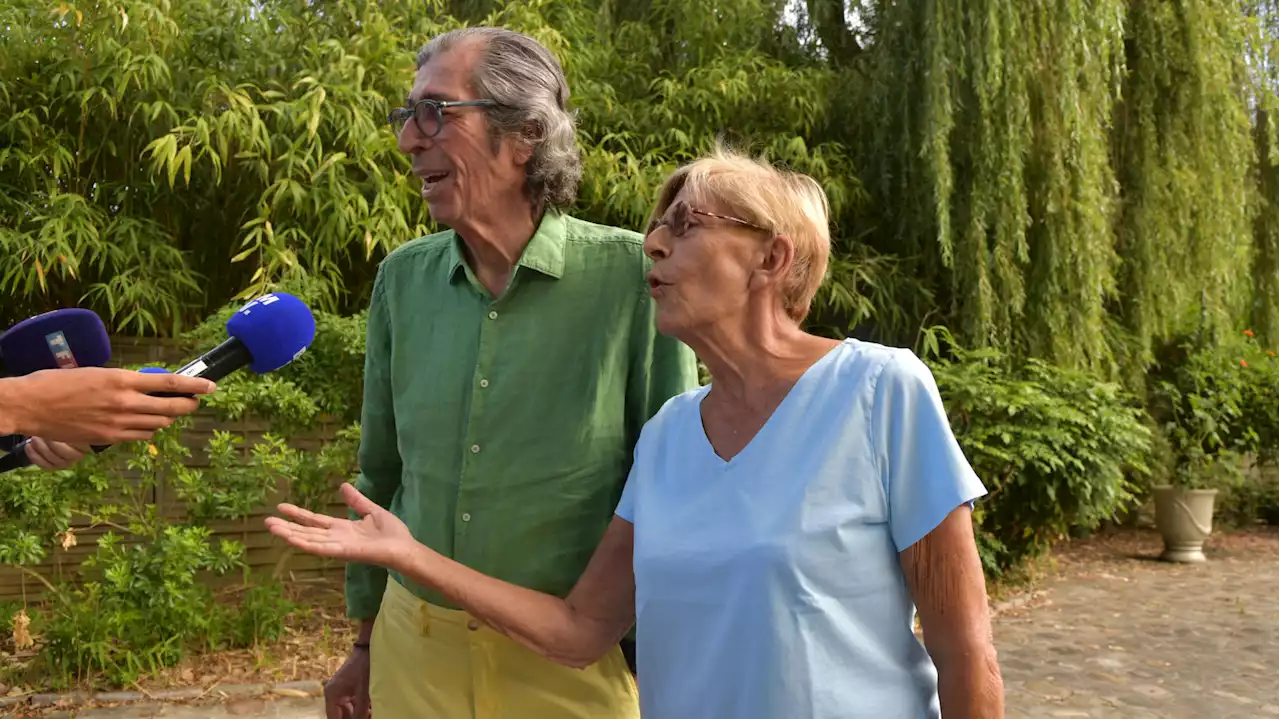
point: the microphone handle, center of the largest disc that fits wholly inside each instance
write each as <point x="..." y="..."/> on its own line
<point x="15" y="460"/>
<point x="213" y="365"/>
<point x="217" y="363"/>
<point x="15" y="445"/>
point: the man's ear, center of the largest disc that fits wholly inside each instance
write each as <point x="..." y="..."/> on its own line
<point x="522" y="151"/>
<point x="522" y="148"/>
<point x="775" y="262"/>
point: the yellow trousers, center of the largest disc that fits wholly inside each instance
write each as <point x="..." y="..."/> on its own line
<point x="427" y="662"/>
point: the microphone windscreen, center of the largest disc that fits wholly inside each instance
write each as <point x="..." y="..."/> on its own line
<point x="274" y="328"/>
<point x="70" y="337"/>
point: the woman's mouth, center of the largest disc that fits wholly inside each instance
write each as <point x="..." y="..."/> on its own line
<point x="655" y="286"/>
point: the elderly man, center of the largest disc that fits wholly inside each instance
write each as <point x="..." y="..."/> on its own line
<point x="511" y="363"/>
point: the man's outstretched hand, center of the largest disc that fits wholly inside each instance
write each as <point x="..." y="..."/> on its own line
<point x="378" y="538"/>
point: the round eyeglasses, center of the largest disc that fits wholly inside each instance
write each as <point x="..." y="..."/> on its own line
<point x="428" y="115"/>
<point x="677" y="218"/>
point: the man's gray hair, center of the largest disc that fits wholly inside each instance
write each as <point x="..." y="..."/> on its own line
<point x="533" y="95"/>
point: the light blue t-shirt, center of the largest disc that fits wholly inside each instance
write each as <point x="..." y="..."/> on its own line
<point x="769" y="586"/>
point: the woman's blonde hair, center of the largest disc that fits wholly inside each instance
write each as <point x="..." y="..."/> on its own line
<point x="784" y="202"/>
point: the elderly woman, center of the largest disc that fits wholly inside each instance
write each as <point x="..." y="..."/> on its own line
<point x="781" y="526"/>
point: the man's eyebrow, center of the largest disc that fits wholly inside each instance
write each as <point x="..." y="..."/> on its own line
<point x="410" y="99"/>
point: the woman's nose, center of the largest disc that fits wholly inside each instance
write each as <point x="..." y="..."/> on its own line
<point x="654" y="249"/>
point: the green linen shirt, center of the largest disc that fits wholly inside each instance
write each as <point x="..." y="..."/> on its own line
<point x="501" y="430"/>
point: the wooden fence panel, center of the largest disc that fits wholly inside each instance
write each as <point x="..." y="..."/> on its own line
<point x="264" y="552"/>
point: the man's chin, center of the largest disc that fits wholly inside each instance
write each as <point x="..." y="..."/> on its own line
<point x="442" y="213"/>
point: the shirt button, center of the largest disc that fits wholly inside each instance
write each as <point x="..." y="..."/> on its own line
<point x="493" y="315"/>
<point x="473" y="625"/>
<point x="484" y="383"/>
<point x="475" y="449"/>
<point x="466" y="516"/>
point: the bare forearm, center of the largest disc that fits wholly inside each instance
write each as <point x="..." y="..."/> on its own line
<point x="544" y="623"/>
<point x="970" y="686"/>
<point x="12" y="403"/>
<point x="945" y="576"/>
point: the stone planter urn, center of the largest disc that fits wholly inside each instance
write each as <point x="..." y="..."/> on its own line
<point x="1184" y="518"/>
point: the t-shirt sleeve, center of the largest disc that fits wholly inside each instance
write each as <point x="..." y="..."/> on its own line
<point x="643" y="459"/>
<point x="639" y="465"/>
<point x="626" y="505"/>
<point x="926" y="476"/>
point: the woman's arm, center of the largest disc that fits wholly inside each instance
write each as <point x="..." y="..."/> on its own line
<point x="944" y="574"/>
<point x="575" y="631"/>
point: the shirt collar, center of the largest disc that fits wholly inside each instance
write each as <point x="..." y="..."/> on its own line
<point x="544" y="252"/>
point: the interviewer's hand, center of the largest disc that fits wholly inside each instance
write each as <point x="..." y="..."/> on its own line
<point x="49" y="455"/>
<point x="379" y="538"/>
<point x="95" y="405"/>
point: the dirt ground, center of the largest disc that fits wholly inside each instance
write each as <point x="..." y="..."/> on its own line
<point x="1104" y="584"/>
<point x="316" y="641"/>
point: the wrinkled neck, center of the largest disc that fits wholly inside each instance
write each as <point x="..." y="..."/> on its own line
<point x="753" y="357"/>
<point x="494" y="241"/>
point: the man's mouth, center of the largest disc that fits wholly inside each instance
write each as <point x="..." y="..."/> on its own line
<point x="431" y="178"/>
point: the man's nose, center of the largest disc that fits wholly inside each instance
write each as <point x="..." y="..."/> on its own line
<point x="411" y="140"/>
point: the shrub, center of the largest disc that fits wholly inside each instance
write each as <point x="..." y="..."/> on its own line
<point x="1259" y="399"/>
<point x="1215" y="404"/>
<point x="328" y="380"/>
<point x="1253" y="498"/>
<point x="1053" y="447"/>
<point x="144" y="601"/>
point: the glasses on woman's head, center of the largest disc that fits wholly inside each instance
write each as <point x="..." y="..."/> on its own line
<point x="679" y="214"/>
<point x="428" y="115"/>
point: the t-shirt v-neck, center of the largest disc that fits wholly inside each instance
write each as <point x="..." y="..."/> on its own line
<point x="811" y="373"/>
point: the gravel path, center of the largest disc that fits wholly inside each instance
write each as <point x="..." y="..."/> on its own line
<point x="1119" y="634"/>
<point x="1112" y="633"/>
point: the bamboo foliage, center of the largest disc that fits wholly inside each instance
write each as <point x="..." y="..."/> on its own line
<point x="300" y="147"/>
<point x="1066" y="179"/>
<point x="257" y="153"/>
<point x="82" y="86"/>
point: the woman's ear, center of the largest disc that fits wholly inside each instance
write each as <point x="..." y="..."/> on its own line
<point x="775" y="262"/>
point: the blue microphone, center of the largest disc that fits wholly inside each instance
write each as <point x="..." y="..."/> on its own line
<point x="61" y="339"/>
<point x="266" y="334"/>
